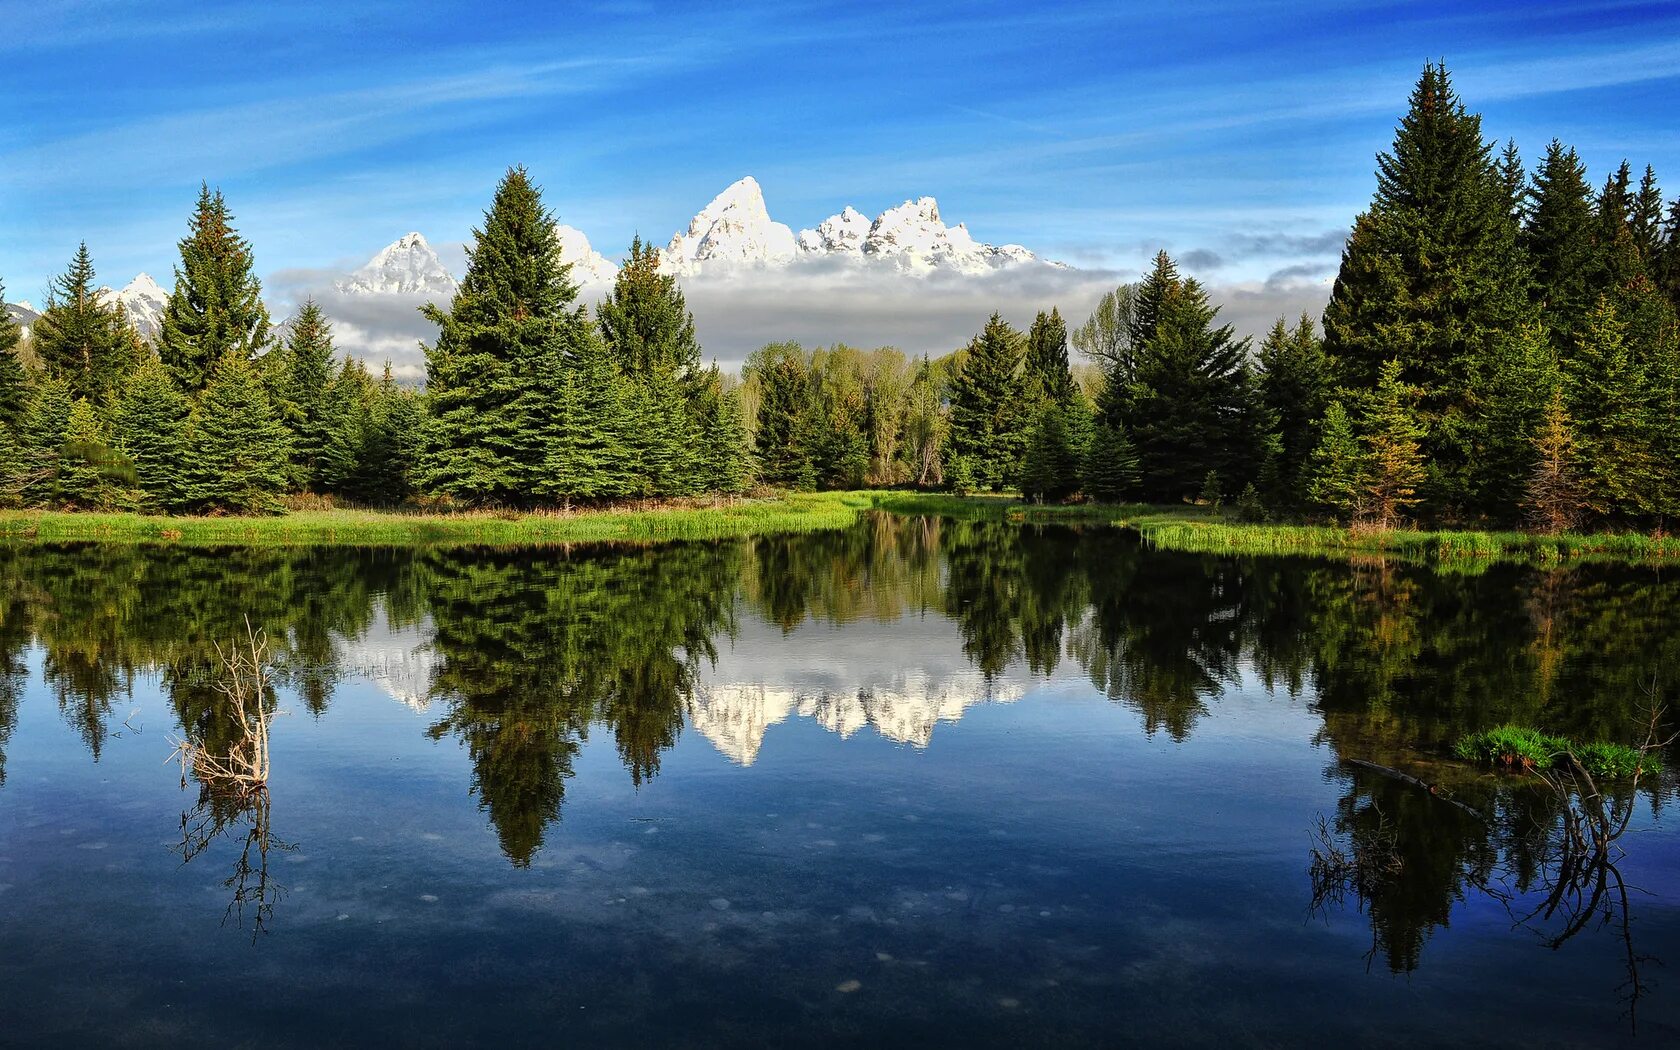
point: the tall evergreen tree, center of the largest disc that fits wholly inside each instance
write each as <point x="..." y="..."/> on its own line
<point x="1558" y="233"/>
<point x="1606" y="392"/>
<point x="721" y="452"/>
<point x="1047" y="373"/>
<point x="308" y="375"/>
<point x="1054" y="460"/>
<point x="1647" y="217"/>
<point x="645" y="321"/>
<point x="1620" y="262"/>
<point x="1554" y="499"/>
<point x="514" y="313"/>
<point x="216" y="307"/>
<point x="1295" y="390"/>
<point x="33" y="478"/>
<point x="1431" y="276"/>
<point x="237" y="450"/>
<point x="784" y="385"/>
<point x="988" y="409"/>
<point x="346" y="416"/>
<point x="1192" y="406"/>
<point x="1395" y="456"/>
<point x="1339" y="469"/>
<point x="150" y="427"/>
<point x="80" y="338"/>
<point x="14" y="380"/>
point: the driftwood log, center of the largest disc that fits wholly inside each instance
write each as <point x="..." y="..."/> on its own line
<point x="1406" y="778"/>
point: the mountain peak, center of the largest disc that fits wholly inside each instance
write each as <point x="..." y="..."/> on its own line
<point x="143" y="300"/>
<point x="589" y="267"/>
<point x="406" y="266"/>
<point x="735" y="229"/>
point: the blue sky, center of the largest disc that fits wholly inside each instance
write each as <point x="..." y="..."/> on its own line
<point x="1240" y="134"/>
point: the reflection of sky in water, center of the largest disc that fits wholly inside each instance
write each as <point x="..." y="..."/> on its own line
<point x="915" y="867"/>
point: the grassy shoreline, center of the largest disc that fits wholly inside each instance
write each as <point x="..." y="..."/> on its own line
<point x="1181" y="528"/>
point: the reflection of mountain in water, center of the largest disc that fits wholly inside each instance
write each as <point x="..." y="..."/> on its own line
<point x="735" y="715"/>
<point x="398" y="660"/>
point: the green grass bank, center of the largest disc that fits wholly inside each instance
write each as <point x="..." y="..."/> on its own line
<point x="1179" y="528"/>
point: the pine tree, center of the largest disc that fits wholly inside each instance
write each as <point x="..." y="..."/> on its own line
<point x="1338" y="470"/>
<point x="387" y="477"/>
<point x="1554" y="500"/>
<point x="1558" y="234"/>
<point x="645" y="321"/>
<point x="346" y="423"/>
<point x="1395" y="456"/>
<point x="1607" y="394"/>
<point x="572" y="469"/>
<point x="784" y="384"/>
<point x="14" y="380"/>
<point x="721" y="460"/>
<point x="1431" y="276"/>
<point x="1647" y="218"/>
<point x="150" y="428"/>
<point x="1051" y="468"/>
<point x="33" y="479"/>
<point x="512" y="319"/>
<point x="216" y="307"/>
<point x="1047" y="374"/>
<point x="1192" y="407"/>
<point x="988" y="423"/>
<point x="91" y="474"/>
<point x="237" y="451"/>
<point x="1514" y="180"/>
<point x="308" y="375"/>
<point x="1110" y="472"/>
<point x="1619" y="261"/>
<point x="1295" y="389"/>
<point x="78" y="337"/>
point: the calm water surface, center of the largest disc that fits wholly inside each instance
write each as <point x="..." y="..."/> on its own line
<point x="914" y="783"/>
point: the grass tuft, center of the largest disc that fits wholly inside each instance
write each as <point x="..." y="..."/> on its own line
<point x="1521" y="747"/>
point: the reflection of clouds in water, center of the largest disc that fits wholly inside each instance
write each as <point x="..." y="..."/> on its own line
<point x="396" y="659"/>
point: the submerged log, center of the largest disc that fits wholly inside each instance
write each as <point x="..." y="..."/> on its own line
<point x="1406" y="778"/>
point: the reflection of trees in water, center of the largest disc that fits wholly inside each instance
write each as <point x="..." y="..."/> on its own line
<point x="242" y="819"/>
<point x="536" y="647"/>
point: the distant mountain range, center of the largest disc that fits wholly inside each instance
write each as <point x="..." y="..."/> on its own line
<point x="734" y="234"/>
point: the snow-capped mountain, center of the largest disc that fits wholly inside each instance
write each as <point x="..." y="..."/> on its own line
<point x="735" y="231"/>
<point x="143" y="300"/>
<point x="23" y="314"/>
<point x="590" y="268"/>
<point x="734" y="716"/>
<point x="408" y="266"/>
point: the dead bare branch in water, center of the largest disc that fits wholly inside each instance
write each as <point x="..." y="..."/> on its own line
<point x="233" y="782"/>
<point x="243" y="768"/>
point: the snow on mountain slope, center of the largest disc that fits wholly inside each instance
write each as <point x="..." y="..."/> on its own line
<point x="734" y="230"/>
<point x="143" y="300"/>
<point x="23" y="314"/>
<point x="407" y="266"/>
<point x="590" y="269"/>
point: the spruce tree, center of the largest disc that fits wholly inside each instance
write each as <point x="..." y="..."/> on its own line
<point x="1047" y="374"/>
<point x="784" y="384"/>
<point x="1394" y="454"/>
<point x="988" y="406"/>
<point x="1338" y="471"/>
<point x="91" y="474"/>
<point x="644" y="320"/>
<point x="216" y="307"/>
<point x="1054" y="458"/>
<point x="1620" y="262"/>
<point x="14" y="380"/>
<point x="1558" y="233"/>
<point x="721" y="454"/>
<point x="1431" y="276"/>
<point x="1607" y="394"/>
<point x="1554" y="499"/>
<point x="1647" y="217"/>
<point x="1295" y="390"/>
<point x="150" y="429"/>
<point x="1109" y="471"/>
<point x="33" y="479"/>
<point x="346" y="422"/>
<point x="1193" y="406"/>
<point x="573" y="469"/>
<point x="78" y="337"/>
<point x="237" y="451"/>
<point x="512" y="320"/>
<point x="387" y="477"/>
<point x="308" y="375"/>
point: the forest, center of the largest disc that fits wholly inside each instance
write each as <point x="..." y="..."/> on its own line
<point x="1500" y="346"/>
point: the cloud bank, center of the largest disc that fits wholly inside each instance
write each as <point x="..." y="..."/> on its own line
<point x="820" y="305"/>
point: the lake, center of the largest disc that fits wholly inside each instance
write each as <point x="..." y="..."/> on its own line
<point x="919" y="782"/>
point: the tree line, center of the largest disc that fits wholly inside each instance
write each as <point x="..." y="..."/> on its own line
<point x="1500" y="345"/>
